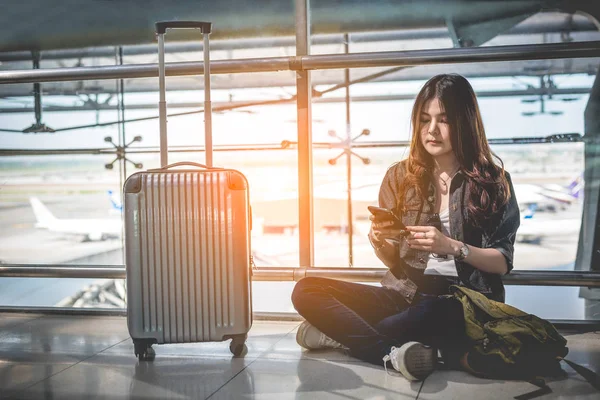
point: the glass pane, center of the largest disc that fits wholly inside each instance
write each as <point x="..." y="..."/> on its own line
<point x="57" y="210"/>
<point x="559" y="302"/>
<point x="538" y="169"/>
<point x="547" y="177"/>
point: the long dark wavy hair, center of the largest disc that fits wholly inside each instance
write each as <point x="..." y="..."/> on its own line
<point x="487" y="186"/>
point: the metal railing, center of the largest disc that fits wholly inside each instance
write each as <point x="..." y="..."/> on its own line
<point x="516" y="277"/>
<point x="284" y="145"/>
<point x="277" y="274"/>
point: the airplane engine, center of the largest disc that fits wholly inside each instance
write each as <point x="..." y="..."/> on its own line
<point x="94" y="236"/>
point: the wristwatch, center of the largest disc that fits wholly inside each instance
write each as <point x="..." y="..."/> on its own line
<point x="463" y="252"/>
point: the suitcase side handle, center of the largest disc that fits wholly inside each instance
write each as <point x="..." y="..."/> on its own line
<point x="183" y="163"/>
<point x="162" y="26"/>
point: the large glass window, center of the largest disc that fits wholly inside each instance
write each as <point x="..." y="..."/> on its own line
<point x="58" y="208"/>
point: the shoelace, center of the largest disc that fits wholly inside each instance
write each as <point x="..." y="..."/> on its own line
<point x="388" y="357"/>
<point x="325" y="341"/>
<point x="329" y="342"/>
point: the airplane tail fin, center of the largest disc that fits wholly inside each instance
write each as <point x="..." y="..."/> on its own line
<point x="529" y="212"/>
<point x="576" y="186"/>
<point x="43" y="216"/>
<point x="115" y="202"/>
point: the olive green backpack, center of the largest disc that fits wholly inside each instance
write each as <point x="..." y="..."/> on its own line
<point x="507" y="343"/>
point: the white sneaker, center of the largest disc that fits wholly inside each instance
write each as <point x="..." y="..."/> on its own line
<point x="414" y="360"/>
<point x="311" y="338"/>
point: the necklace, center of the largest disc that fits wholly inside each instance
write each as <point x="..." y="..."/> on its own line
<point x="445" y="181"/>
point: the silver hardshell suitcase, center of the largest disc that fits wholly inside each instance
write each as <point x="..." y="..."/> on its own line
<point x="187" y="241"/>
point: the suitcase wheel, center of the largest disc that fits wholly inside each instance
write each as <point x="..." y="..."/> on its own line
<point x="238" y="345"/>
<point x="143" y="350"/>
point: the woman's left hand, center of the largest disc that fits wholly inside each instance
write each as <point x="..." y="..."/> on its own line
<point x="429" y="238"/>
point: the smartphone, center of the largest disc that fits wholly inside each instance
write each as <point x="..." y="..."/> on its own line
<point x="384" y="214"/>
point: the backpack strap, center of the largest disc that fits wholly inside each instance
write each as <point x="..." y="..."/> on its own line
<point x="542" y="390"/>
<point x="587" y="374"/>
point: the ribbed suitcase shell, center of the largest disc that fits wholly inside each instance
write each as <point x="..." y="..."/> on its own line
<point x="188" y="255"/>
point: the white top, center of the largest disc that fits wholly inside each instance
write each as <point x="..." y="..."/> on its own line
<point x="443" y="265"/>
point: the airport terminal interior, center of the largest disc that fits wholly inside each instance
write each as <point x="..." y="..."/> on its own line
<point x="311" y="102"/>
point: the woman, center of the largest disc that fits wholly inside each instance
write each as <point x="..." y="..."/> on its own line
<point x="461" y="216"/>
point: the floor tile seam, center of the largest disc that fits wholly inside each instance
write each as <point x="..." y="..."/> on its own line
<point x="253" y="361"/>
<point x="20" y="391"/>
<point x="421" y="388"/>
<point x="253" y="358"/>
<point x="69" y="367"/>
<point x="351" y="361"/>
<point x="186" y="356"/>
<point x="232" y="378"/>
<point x="250" y="363"/>
<point x="20" y="324"/>
<point x="283" y="335"/>
<point x="15" y="392"/>
<point x="279" y="340"/>
<point x="272" y="346"/>
<point x="111" y="346"/>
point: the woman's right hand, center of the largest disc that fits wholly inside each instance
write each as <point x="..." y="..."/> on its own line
<point x="384" y="237"/>
<point x="384" y="229"/>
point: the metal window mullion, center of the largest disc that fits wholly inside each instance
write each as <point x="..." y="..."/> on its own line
<point x="305" y="167"/>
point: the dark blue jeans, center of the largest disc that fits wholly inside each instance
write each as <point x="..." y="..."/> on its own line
<point x="369" y="320"/>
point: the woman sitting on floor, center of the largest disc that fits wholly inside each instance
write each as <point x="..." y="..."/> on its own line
<point x="460" y="216"/>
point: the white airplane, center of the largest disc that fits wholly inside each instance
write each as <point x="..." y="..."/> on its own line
<point x="89" y="229"/>
<point x="535" y="230"/>
<point x="550" y="198"/>
<point x="102" y="229"/>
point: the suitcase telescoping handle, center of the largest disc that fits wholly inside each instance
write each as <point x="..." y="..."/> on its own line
<point x="161" y="29"/>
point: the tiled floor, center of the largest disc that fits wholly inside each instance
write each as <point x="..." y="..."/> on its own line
<point x="56" y="357"/>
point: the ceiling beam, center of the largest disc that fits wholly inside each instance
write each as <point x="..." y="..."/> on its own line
<point x="542" y="23"/>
